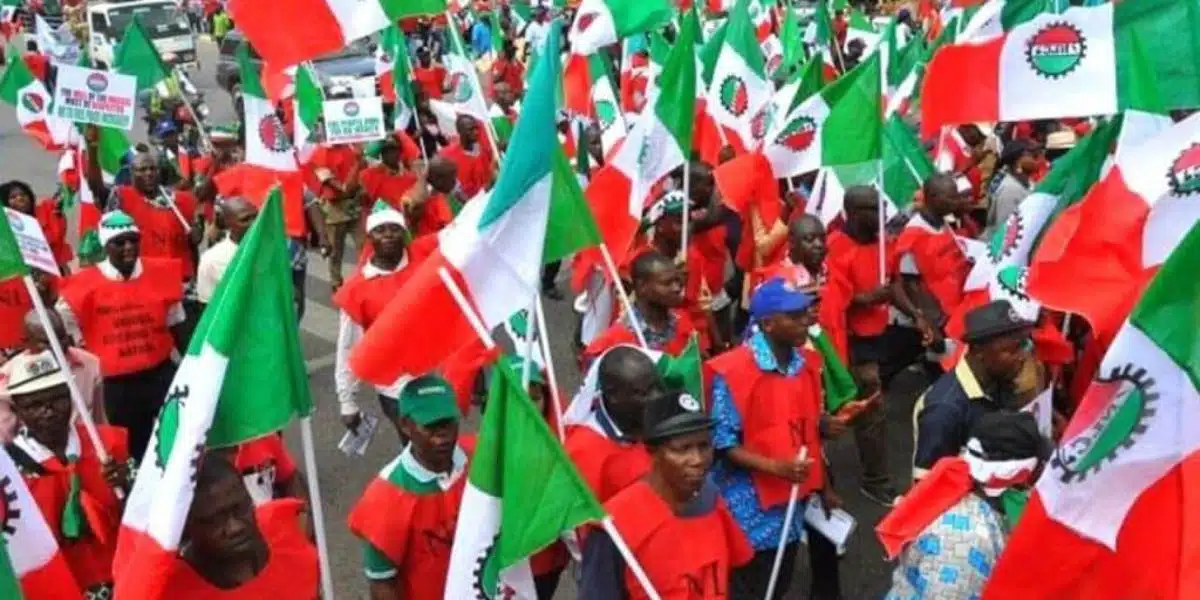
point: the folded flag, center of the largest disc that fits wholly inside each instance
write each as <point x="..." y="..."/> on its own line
<point x="1110" y="517"/>
<point x="288" y="32"/>
<point x="466" y="94"/>
<point x="1077" y="63"/>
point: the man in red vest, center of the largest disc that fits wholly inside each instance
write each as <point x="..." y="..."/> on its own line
<point x="658" y="289"/>
<point x="860" y="298"/>
<point x="673" y="519"/>
<point x="471" y="155"/>
<point x="933" y="268"/>
<point x="232" y="550"/>
<point x="127" y="309"/>
<point x="159" y="213"/>
<point x="73" y="489"/>
<point x="606" y="445"/>
<point x="407" y="515"/>
<point x="767" y="406"/>
<point x="363" y="297"/>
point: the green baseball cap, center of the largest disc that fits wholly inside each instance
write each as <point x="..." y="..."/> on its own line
<point x="428" y="399"/>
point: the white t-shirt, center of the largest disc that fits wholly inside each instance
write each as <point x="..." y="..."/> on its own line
<point x="212" y="267"/>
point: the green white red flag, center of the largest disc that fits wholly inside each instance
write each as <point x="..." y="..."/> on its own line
<point x="288" y="32"/>
<point x="466" y="94"/>
<point x="21" y="90"/>
<point x="841" y="125"/>
<point x="740" y="92"/>
<point x="522" y="493"/>
<point x="1111" y="516"/>
<point x="601" y="23"/>
<point x="31" y="565"/>
<point x="1076" y="63"/>
<point x="492" y="253"/>
<point x="309" y="103"/>
<point x="1112" y="242"/>
<point x="658" y="143"/>
<point x="216" y="399"/>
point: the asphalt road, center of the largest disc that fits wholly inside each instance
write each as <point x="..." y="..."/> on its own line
<point x="864" y="574"/>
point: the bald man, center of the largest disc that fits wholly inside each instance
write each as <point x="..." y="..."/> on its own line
<point x="237" y="215"/>
<point x="85" y="368"/>
<point x="607" y="446"/>
<point x="933" y="268"/>
<point x="434" y="200"/>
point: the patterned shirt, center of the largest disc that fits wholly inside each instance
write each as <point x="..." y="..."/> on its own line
<point x="762" y="527"/>
<point x="953" y="557"/>
<point x="655" y="339"/>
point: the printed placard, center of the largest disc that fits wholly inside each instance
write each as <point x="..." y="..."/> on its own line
<point x="353" y="120"/>
<point x="102" y="98"/>
<point x="35" y="250"/>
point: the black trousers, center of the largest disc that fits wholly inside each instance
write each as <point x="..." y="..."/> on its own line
<point x="133" y="401"/>
<point x="751" y="580"/>
<point x="547" y="584"/>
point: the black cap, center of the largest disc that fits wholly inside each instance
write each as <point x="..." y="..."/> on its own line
<point x="993" y="320"/>
<point x="674" y="413"/>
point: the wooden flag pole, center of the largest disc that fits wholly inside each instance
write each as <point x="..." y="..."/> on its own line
<point x="551" y="378"/>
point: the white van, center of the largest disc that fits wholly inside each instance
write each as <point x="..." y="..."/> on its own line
<point x="166" y="24"/>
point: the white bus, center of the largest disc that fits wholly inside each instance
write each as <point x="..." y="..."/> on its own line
<point x="166" y="24"/>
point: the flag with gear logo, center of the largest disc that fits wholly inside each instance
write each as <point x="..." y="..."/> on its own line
<point x="1113" y="512"/>
<point x="216" y="399"/>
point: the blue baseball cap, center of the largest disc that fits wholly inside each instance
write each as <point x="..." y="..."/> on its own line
<point x="165" y="126"/>
<point x="778" y="295"/>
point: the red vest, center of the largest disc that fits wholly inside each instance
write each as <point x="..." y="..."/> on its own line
<point x="414" y="531"/>
<point x="857" y="266"/>
<point x="291" y="570"/>
<point x="779" y="415"/>
<point x="435" y="215"/>
<point x="14" y="304"/>
<point x="89" y="557"/>
<point x="125" y="322"/>
<point x="606" y="465"/>
<point x="163" y="236"/>
<point x="364" y="299"/>
<point x="942" y="264"/>
<point x="474" y="170"/>
<point x="381" y="184"/>
<point x="54" y="225"/>
<point x="686" y="558"/>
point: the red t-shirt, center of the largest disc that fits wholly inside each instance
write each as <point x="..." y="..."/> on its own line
<point x="379" y="183"/>
<point x="510" y="72"/>
<point x="474" y="170"/>
<point x="431" y="79"/>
